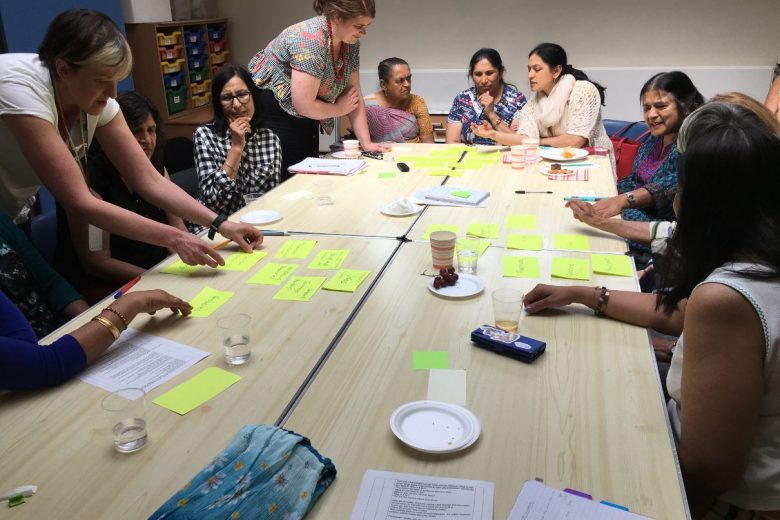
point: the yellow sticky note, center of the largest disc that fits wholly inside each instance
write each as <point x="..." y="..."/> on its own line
<point x="329" y="259"/>
<point x="242" y="262"/>
<point x="440" y="172"/>
<point x="299" y="249"/>
<point x="520" y="266"/>
<point x="208" y="300"/>
<point x="617" y="265"/>
<point x="571" y="242"/>
<point x="273" y="274"/>
<point x="346" y="280"/>
<point x="521" y="221"/>
<point x="482" y="230"/>
<point x="197" y="390"/>
<point x="471" y="164"/>
<point x="440" y="227"/>
<point x="300" y="288"/>
<point x="571" y="268"/>
<point x="180" y="268"/>
<point x="450" y="151"/>
<point x="527" y="242"/>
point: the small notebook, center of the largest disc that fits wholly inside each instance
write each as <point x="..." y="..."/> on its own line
<point x="328" y="166"/>
<point x="455" y="195"/>
<point x="539" y="502"/>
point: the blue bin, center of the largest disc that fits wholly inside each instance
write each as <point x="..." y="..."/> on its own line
<point x="193" y="35"/>
<point x="197" y="62"/>
<point x="173" y="80"/>
<point x="216" y="32"/>
<point x="195" y="50"/>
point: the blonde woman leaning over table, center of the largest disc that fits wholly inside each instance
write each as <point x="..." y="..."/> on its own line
<point x="24" y="364"/>
<point x="394" y="113"/>
<point x="53" y="103"/>
<point x="565" y="109"/>
<point x="309" y="75"/>
<point x="724" y="275"/>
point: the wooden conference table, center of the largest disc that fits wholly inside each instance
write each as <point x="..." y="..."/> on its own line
<point x="586" y="415"/>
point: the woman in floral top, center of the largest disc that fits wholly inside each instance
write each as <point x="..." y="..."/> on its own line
<point x="490" y="100"/>
<point x="309" y="76"/>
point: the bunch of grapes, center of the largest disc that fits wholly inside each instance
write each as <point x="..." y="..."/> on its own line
<point x="447" y="276"/>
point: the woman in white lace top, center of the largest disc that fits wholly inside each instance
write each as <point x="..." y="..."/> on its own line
<point x="565" y="109"/>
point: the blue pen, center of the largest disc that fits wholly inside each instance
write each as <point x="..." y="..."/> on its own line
<point x="274" y="233"/>
<point x="584" y="199"/>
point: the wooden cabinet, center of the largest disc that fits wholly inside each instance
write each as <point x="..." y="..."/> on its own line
<point x="174" y="64"/>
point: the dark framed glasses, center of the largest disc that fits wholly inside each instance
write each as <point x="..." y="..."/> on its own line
<point x="242" y="97"/>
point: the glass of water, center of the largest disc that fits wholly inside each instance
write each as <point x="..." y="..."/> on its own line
<point x="126" y="409"/>
<point x="234" y="333"/>
<point x="468" y="255"/>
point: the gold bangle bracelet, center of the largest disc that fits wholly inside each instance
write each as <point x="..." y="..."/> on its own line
<point x="108" y="325"/>
<point x="118" y="314"/>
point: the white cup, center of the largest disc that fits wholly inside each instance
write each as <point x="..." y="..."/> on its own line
<point x="352" y="148"/>
<point x="519" y="156"/>
<point x="532" y="150"/>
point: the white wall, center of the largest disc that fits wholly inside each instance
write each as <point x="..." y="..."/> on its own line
<point x="718" y="36"/>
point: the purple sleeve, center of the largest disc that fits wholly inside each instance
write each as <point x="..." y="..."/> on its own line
<point x="24" y="364"/>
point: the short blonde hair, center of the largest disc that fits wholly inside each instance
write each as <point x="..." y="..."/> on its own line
<point x="345" y="9"/>
<point x="752" y="104"/>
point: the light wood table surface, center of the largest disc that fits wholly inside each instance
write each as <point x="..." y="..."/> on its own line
<point x="586" y="415"/>
<point x="59" y="440"/>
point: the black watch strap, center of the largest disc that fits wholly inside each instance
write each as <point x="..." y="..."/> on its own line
<point x="214" y="227"/>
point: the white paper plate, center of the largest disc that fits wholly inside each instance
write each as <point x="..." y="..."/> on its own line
<point x="434" y="426"/>
<point x="343" y="155"/>
<point x="466" y="286"/>
<point x="392" y="210"/>
<point x="257" y="218"/>
<point x="554" y="154"/>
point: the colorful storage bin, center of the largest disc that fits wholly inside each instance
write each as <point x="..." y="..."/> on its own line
<point x="199" y="101"/>
<point x="164" y="40"/>
<point x="200" y="88"/>
<point x="216" y="32"/>
<point x="177" y="99"/>
<point x="171" y="53"/>
<point x="169" y="67"/>
<point x="194" y="35"/>
<point x="198" y="62"/>
<point x="195" y="50"/>
<point x="198" y="75"/>
<point x="174" y="80"/>
<point x="217" y="46"/>
<point x="219" y="58"/>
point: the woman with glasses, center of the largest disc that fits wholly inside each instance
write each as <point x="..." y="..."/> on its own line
<point x="309" y="75"/>
<point x="234" y="155"/>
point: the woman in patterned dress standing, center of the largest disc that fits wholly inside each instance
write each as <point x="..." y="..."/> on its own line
<point x="309" y="75"/>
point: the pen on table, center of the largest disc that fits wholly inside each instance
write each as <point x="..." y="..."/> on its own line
<point x="460" y="159"/>
<point x="275" y="233"/>
<point x="222" y="244"/>
<point x="526" y="191"/>
<point x="584" y="199"/>
<point x="126" y="287"/>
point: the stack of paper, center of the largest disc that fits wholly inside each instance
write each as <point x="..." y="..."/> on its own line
<point x="328" y="166"/>
<point x="453" y="196"/>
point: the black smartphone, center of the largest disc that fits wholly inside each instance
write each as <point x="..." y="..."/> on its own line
<point x="403" y="167"/>
<point x="508" y="343"/>
<point x="374" y="155"/>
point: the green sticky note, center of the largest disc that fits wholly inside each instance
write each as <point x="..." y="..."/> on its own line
<point x="571" y="268"/>
<point x="273" y="274"/>
<point x="482" y="230"/>
<point x="329" y="259"/>
<point x="425" y="360"/>
<point x="386" y="175"/>
<point x="520" y="266"/>
<point x="299" y="249"/>
<point x="197" y="390"/>
<point x="617" y="265"/>
<point x="521" y="221"/>
<point x="208" y="300"/>
<point x="346" y="280"/>
<point x="420" y="161"/>
<point x="450" y="151"/>
<point x="180" y="268"/>
<point x="461" y="194"/>
<point x="571" y="242"/>
<point x="527" y="242"/>
<point x="300" y="288"/>
<point x="440" y="227"/>
<point x="242" y="262"/>
<point x="483" y="246"/>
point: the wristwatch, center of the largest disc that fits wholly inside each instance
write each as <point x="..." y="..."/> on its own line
<point x="214" y="227"/>
<point x="631" y="199"/>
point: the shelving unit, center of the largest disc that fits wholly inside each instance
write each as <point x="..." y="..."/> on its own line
<point x="174" y="64"/>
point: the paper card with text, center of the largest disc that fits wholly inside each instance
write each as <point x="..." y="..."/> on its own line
<point x="273" y="274"/>
<point x="520" y="266"/>
<point x="482" y="230"/>
<point x="526" y="242"/>
<point x="440" y="227"/>
<point x="571" y="242"/>
<point x="180" y="268"/>
<point x="197" y="390"/>
<point x="616" y="265"/>
<point x="242" y="262"/>
<point x="297" y="249"/>
<point x="208" y="300"/>
<point x="329" y="259"/>
<point x="300" y="288"/>
<point x="521" y="221"/>
<point x="346" y="280"/>
<point x="571" y="268"/>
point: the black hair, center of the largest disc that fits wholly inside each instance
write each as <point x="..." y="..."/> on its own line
<point x="218" y="82"/>
<point x="494" y="58"/>
<point x="553" y="55"/>
<point x="386" y="66"/>
<point x="680" y="87"/>
<point x="722" y="144"/>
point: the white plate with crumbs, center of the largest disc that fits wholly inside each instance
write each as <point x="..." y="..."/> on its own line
<point x="261" y="217"/>
<point x="401" y="209"/>
<point x="434" y="426"/>
<point x="563" y="154"/>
